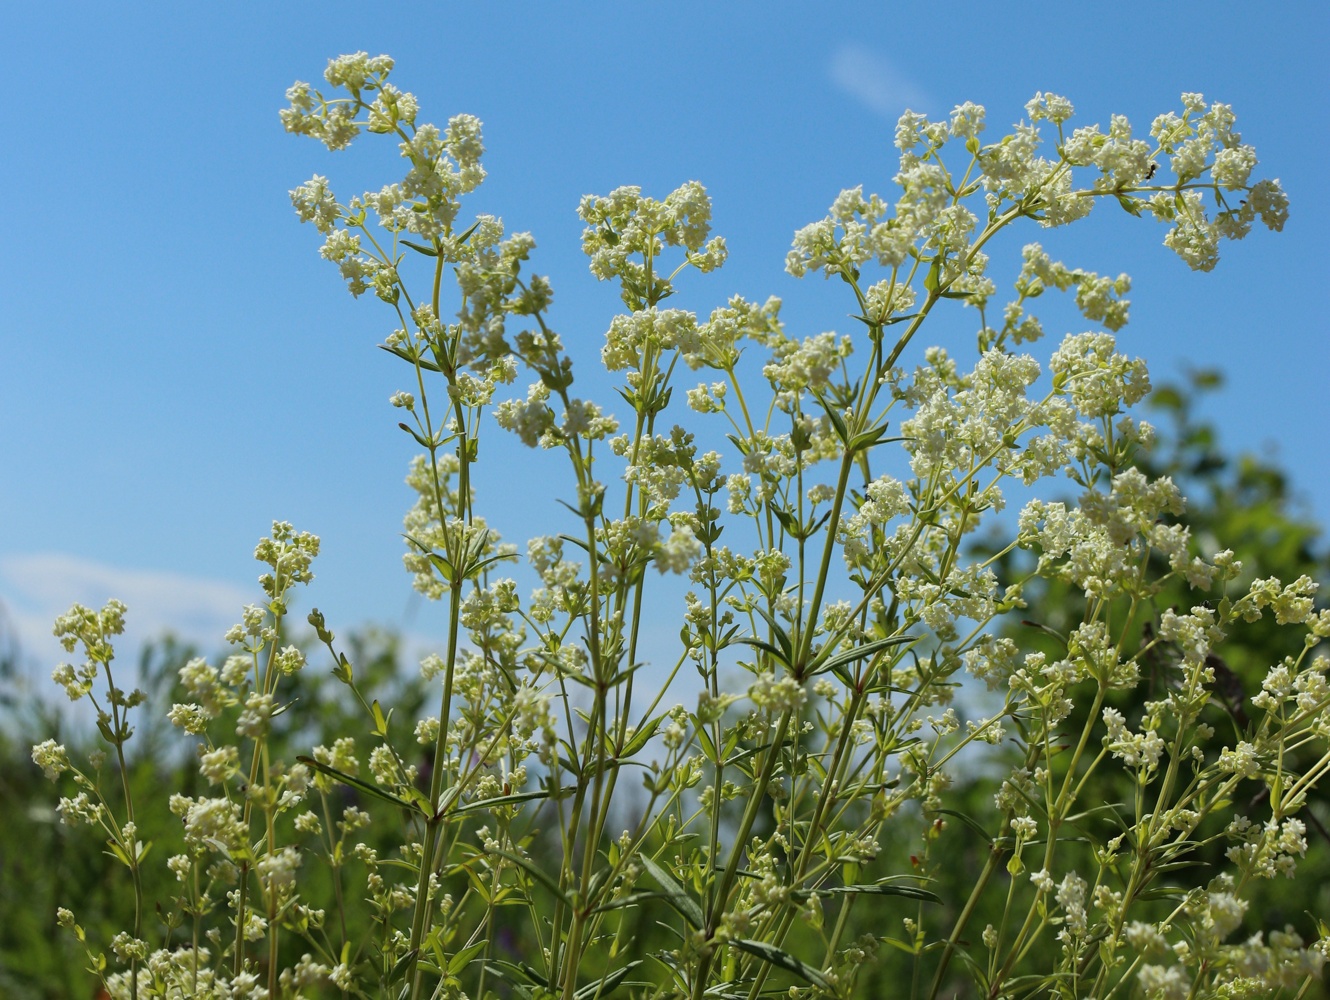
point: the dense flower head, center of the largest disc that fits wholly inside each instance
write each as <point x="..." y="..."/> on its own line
<point x="92" y="629"/>
<point x="627" y="231"/>
<point x="648" y="332"/>
<point x="289" y="554"/>
<point x="52" y="758"/>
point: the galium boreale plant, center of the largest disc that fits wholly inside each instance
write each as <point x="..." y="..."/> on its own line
<point x="569" y="834"/>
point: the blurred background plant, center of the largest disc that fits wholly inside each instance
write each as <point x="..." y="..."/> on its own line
<point x="1246" y="500"/>
<point x="45" y="863"/>
<point x="1250" y="502"/>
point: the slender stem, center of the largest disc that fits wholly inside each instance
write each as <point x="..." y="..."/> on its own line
<point x="736" y="852"/>
<point x="438" y="784"/>
<point x="990" y="866"/>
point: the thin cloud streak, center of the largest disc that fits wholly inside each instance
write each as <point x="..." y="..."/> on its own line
<point x="874" y="82"/>
<point x="35" y="588"/>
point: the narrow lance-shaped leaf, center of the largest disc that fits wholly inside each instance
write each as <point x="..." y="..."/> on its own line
<point x="508" y="800"/>
<point x="674" y="892"/>
<point x="537" y="873"/>
<point x="783" y="960"/>
<point x="868" y="649"/>
<point x="605" y="986"/>
<point x="357" y="783"/>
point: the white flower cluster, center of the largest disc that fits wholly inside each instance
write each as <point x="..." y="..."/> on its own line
<point x="885" y="498"/>
<point x="773" y="694"/>
<point x="625" y="224"/>
<point x="931" y="216"/>
<point x="1268" y="849"/>
<point x="1140" y="750"/>
<point x="1098" y="546"/>
<point x="962" y="424"/>
<point x="648" y="333"/>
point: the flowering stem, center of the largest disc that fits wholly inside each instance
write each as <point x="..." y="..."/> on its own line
<point x="736" y="852"/>
<point x="438" y="784"/>
<point x="128" y="844"/>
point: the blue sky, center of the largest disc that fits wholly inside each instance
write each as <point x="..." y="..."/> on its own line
<point x="178" y="368"/>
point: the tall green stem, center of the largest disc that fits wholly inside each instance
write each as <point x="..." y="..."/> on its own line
<point x="437" y="786"/>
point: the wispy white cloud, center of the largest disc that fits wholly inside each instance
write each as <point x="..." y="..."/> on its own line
<point x="872" y="80"/>
<point x="35" y="588"/>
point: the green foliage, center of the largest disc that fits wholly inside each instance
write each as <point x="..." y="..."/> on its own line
<point x="848" y="671"/>
<point x="1248" y="502"/>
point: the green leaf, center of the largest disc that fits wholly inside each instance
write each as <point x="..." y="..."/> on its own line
<point x="779" y="634"/>
<point x="463" y="958"/>
<point x="1093" y="810"/>
<point x="380" y="720"/>
<point x="674" y="892"/>
<point x="1166" y="397"/>
<point x="632" y="899"/>
<point x="364" y="786"/>
<point x="399" y="969"/>
<point x="405" y="355"/>
<point x="1132" y="205"/>
<point x="444" y="567"/>
<point x="507" y="800"/>
<point x="868" y="649"/>
<point x="433" y="941"/>
<point x="537" y="873"/>
<point x="117" y="852"/>
<point x="743" y="755"/>
<point x="605" y="985"/>
<point x="344" y="672"/>
<point x="418" y="248"/>
<point x="642" y="736"/>
<point x="1163" y="892"/>
<point x="767" y="648"/>
<point x="507" y="972"/>
<point x="871" y="438"/>
<point x="782" y="960"/>
<point x="424" y="443"/>
<point x="888" y="889"/>
<point x="786" y="519"/>
<point x="467" y="235"/>
<point x="837" y="422"/>
<point x="973" y="824"/>
<point x="977" y="972"/>
<point x="934" y="276"/>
